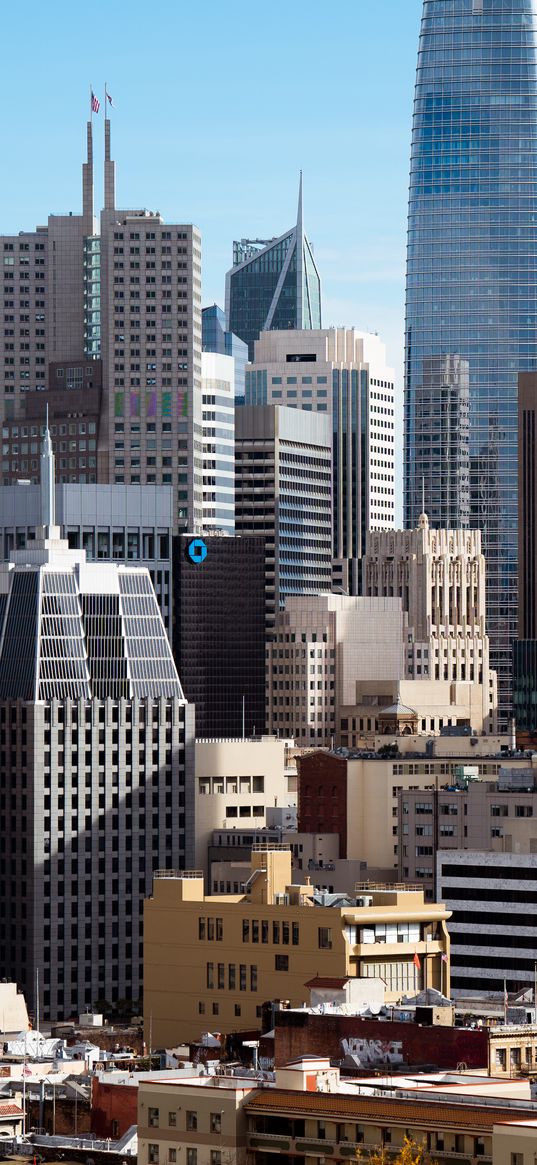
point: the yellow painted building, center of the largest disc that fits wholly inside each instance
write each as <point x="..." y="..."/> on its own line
<point x="211" y="962"/>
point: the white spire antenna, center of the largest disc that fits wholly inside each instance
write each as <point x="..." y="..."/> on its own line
<point x="48" y="497"/>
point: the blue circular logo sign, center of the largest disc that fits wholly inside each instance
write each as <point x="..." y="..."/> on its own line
<point x="197" y="551"/>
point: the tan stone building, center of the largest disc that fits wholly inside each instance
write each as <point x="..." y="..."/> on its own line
<point x="236" y="782"/>
<point x="440" y="576"/>
<point x="515" y="1142"/>
<point x="196" y="1122"/>
<point x="211" y="962"/>
<point x="337" y="666"/>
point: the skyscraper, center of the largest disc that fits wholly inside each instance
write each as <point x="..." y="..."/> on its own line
<point x="341" y="372"/>
<point x="215" y="338"/>
<point x="273" y="284"/>
<point x="283" y="490"/>
<point x="96" y="767"/>
<point x="218" y="386"/>
<point x="472" y="261"/>
<point x="107" y="326"/>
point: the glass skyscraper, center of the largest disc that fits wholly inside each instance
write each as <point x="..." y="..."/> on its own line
<point x="273" y="285"/>
<point x="472" y="264"/>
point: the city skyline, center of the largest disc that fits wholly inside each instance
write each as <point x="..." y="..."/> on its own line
<point x="167" y="139"/>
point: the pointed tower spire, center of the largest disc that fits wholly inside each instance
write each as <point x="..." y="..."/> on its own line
<point x="48" y="483"/>
<point x="87" y="184"/>
<point x="109" y="166"/>
<point x="299" y="236"/>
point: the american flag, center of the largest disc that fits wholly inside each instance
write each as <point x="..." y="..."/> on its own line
<point x="95" y="103"/>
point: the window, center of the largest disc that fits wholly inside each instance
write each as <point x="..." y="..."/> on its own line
<point x="245" y="930"/>
<point x="325" y="938"/>
<point x="253" y="978"/>
<point x="216" y="1157"/>
<point x="242" y="977"/>
<point x="152" y="1154"/>
<point x="219" y="930"/>
<point x="216" y="1122"/>
<point x="172" y="1154"/>
<point x="192" y="1157"/>
<point x="517" y="1159"/>
<point x="172" y="1120"/>
<point x="296" y="934"/>
<point x="210" y="975"/>
<point x="201" y="1008"/>
<point x="191" y="1120"/>
<point x="153" y="1117"/>
<point x="201" y="928"/>
<point x="281" y="962"/>
<point x="237" y="1009"/>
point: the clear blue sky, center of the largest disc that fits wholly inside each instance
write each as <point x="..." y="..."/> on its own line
<point x="219" y="105"/>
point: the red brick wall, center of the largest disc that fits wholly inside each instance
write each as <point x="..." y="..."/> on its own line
<point x="299" y="1034"/>
<point x="112" y="1102"/>
<point x="322" y="796"/>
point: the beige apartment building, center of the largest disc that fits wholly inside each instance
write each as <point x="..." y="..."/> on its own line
<point x="236" y="782"/>
<point x="357" y="797"/>
<point x="201" y="1121"/>
<point x="440" y="576"/>
<point x="469" y="813"/>
<point x="211" y="962"/>
<point x="310" y="1114"/>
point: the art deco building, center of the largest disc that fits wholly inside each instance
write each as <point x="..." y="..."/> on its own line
<point x="96" y="767"/>
<point x="440" y="576"/>
<point x="472" y="264"/>
<point x="273" y="284"/>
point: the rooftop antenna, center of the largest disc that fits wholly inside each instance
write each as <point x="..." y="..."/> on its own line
<point x="48" y="499"/>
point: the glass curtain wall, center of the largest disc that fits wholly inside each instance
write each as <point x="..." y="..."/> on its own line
<point x="471" y="265"/>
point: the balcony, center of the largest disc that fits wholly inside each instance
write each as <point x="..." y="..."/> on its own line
<point x="346" y="1150"/>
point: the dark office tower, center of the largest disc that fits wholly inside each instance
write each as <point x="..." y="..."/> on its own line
<point x="273" y="284"/>
<point x="283" y="490"/>
<point x="96" y="747"/>
<point x="472" y="267"/>
<point x="219" y="631"/>
<point x="525" y="647"/>
<point x="442" y="451"/>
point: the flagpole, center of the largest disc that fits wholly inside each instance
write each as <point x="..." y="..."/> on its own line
<point x="91" y="104"/>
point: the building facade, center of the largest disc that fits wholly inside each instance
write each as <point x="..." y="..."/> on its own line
<point x="219" y="631"/>
<point x="341" y="372"/>
<point x="442" y="441"/>
<point x="237" y="783"/>
<point x="323" y="644"/>
<point x="96" y="782"/>
<point x="357" y="796"/>
<point x="467" y="813"/>
<point x="283" y="488"/>
<point x="217" y="959"/>
<point x="440" y="576"/>
<point x="215" y="338"/>
<point x="129" y="524"/>
<point x="471" y="262"/>
<point x="525" y="645"/>
<point x="492" y="898"/>
<point x="273" y="284"/>
<point x="105" y="326"/>
<point x="218" y="387"/>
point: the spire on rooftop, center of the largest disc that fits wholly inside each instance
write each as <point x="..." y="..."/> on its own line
<point x="48" y="482"/>
<point x="109" y="165"/>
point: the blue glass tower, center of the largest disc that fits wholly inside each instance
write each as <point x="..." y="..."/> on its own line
<point x="472" y="264"/>
<point x="273" y="285"/>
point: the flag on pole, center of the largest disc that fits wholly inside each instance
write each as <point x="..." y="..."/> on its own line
<point x="109" y="99"/>
<point x="445" y="959"/>
<point x="416" y="961"/>
<point x="95" y="103"/>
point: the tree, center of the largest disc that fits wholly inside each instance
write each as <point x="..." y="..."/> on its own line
<point x="410" y="1154"/>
